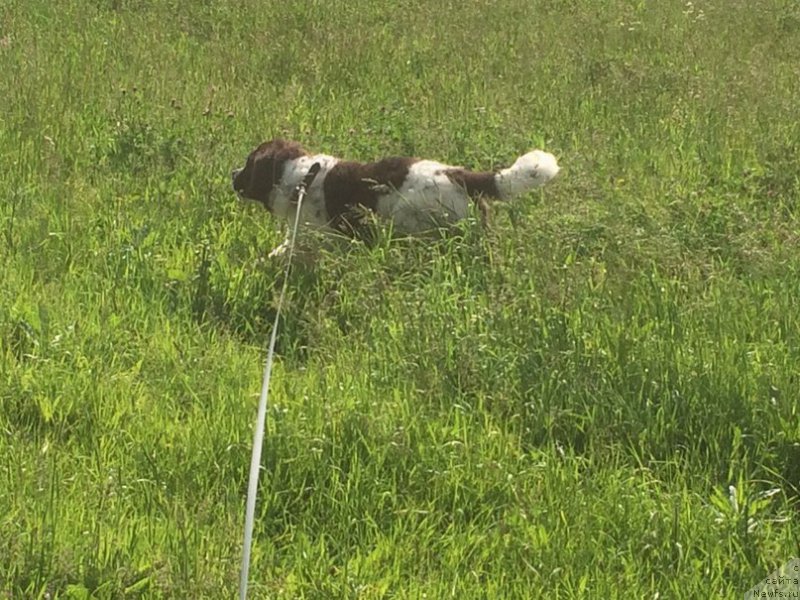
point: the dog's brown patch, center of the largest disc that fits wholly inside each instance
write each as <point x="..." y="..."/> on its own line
<point x="476" y="184"/>
<point x="349" y="185"/>
<point x="479" y="186"/>
<point x="264" y="169"/>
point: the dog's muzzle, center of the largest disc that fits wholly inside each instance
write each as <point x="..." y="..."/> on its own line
<point x="234" y="175"/>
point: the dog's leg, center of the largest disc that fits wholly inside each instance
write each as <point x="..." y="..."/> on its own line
<point x="485" y="211"/>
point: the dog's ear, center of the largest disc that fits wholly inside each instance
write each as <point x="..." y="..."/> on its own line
<point x="261" y="173"/>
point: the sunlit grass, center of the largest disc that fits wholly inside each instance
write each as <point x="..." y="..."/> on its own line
<point x="596" y="397"/>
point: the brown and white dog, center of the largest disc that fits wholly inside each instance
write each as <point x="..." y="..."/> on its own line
<point x="415" y="195"/>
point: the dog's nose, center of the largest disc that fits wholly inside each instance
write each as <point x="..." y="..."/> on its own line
<point x="234" y="175"/>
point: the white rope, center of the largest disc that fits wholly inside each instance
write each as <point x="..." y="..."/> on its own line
<point x="258" y="436"/>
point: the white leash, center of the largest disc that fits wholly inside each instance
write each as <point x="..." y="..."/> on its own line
<point x="258" y="436"/>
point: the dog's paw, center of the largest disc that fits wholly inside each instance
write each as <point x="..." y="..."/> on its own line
<point x="280" y="250"/>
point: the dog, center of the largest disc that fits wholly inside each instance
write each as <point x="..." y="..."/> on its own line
<point x="415" y="195"/>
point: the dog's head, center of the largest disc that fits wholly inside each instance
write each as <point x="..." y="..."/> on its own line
<point x="264" y="169"/>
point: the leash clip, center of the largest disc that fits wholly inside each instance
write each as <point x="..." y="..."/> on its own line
<point x="306" y="182"/>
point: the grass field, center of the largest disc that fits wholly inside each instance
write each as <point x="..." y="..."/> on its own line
<point x="596" y="398"/>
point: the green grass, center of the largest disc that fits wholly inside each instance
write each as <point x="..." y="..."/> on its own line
<point x="598" y="397"/>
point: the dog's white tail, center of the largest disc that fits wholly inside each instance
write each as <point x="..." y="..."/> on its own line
<point x="529" y="171"/>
